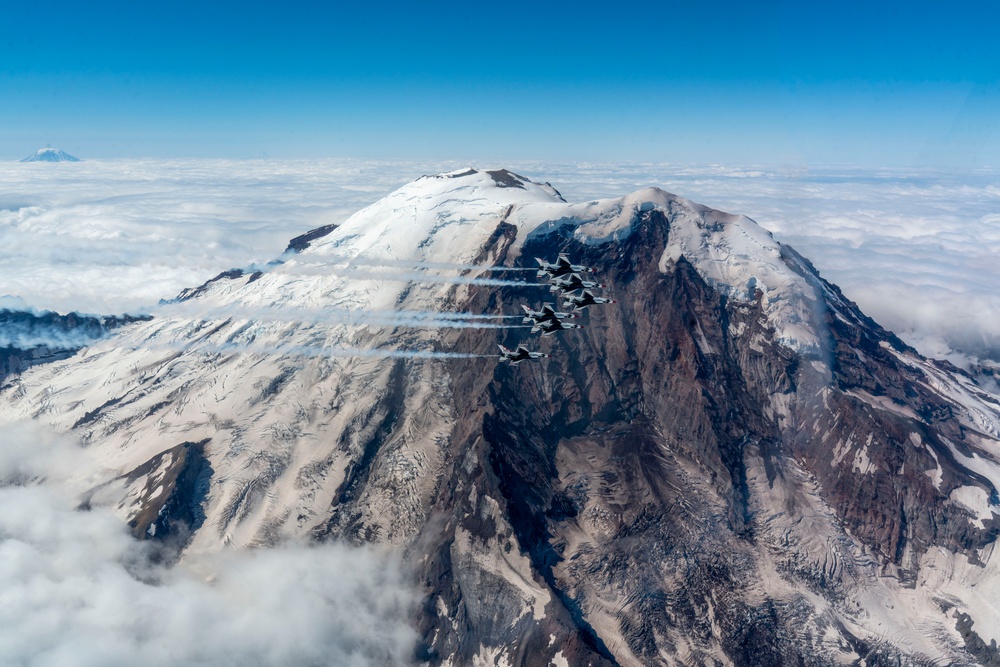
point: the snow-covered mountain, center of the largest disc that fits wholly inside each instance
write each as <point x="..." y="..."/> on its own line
<point x="730" y="465"/>
<point x="50" y="155"/>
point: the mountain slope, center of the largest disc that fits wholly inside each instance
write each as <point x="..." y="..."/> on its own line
<point x="731" y="465"/>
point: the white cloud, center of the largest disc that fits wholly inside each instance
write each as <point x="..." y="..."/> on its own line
<point x="76" y="589"/>
<point x="915" y="248"/>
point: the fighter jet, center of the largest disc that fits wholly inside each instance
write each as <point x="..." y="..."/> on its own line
<point x="549" y="327"/>
<point x="520" y="354"/>
<point x="547" y="313"/>
<point x="582" y="301"/>
<point x="572" y="283"/>
<point x="561" y="267"/>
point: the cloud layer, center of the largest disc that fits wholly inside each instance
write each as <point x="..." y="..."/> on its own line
<point x="76" y="589"/>
<point x="914" y="248"/>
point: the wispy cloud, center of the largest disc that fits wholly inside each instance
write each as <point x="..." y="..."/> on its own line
<point x="26" y="337"/>
<point x="77" y="589"/>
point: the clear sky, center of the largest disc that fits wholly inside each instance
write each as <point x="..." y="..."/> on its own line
<point x="863" y="83"/>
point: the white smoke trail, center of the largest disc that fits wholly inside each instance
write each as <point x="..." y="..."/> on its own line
<point x="349" y="272"/>
<point x="333" y="316"/>
<point x="361" y="260"/>
<point x="463" y="316"/>
<point x="308" y="351"/>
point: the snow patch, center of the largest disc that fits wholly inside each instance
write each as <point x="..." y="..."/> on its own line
<point x="936" y="474"/>
<point x="973" y="587"/>
<point x="862" y="464"/>
<point x="976" y="501"/>
<point x="491" y="656"/>
<point x="508" y="563"/>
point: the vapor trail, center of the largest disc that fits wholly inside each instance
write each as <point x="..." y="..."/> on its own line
<point x="414" y="277"/>
<point x="361" y="260"/>
<point x="402" y="318"/>
<point x="310" y="351"/>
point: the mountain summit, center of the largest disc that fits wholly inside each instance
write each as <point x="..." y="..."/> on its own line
<point x="51" y="155"/>
<point x="731" y="464"/>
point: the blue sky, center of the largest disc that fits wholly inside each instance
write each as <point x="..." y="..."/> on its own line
<point x="769" y="83"/>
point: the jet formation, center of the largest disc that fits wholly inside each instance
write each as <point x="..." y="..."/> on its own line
<point x="564" y="279"/>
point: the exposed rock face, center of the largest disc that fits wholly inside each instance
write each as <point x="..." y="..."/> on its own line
<point x="302" y="241"/>
<point x="731" y="465"/>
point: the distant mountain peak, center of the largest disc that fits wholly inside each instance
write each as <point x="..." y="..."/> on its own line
<point x="51" y="155"/>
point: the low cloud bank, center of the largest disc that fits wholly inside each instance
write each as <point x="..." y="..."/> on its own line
<point x="76" y="589"/>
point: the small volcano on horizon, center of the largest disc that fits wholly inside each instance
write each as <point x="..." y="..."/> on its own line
<point x="51" y="155"/>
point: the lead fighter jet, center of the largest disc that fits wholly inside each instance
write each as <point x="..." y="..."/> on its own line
<point x="584" y="300"/>
<point x="546" y="314"/>
<point x="520" y="354"/>
<point x="561" y="267"/>
<point x="572" y="283"/>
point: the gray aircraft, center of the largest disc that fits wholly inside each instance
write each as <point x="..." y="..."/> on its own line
<point x="572" y="283"/>
<point x="547" y="313"/>
<point x="579" y="302"/>
<point x="549" y="327"/>
<point x="520" y="354"/>
<point x="561" y="267"/>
